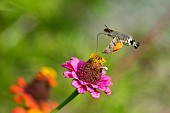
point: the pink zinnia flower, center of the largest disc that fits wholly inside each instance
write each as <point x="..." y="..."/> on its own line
<point x="88" y="76"/>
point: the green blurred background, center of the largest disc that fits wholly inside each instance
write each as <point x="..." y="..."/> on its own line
<point x="47" y="33"/>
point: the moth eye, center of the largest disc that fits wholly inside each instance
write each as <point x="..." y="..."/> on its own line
<point x="108" y="30"/>
<point x="137" y="44"/>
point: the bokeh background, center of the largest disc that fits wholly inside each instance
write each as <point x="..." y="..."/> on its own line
<point x="36" y="33"/>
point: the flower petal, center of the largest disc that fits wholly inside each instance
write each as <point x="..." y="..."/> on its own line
<point x="82" y="90"/>
<point x="94" y="86"/>
<point x="68" y="74"/>
<point x="19" y="110"/>
<point x="90" y="89"/>
<point x="104" y="77"/>
<point x="103" y="72"/>
<point x="95" y="94"/>
<point x="108" y="91"/>
<point x="16" y="89"/>
<point x="102" y="88"/>
<point x="74" y="75"/>
<point x="83" y="83"/>
<point x="105" y="81"/>
<point x="76" y="83"/>
<point x="67" y="65"/>
<point x="74" y="62"/>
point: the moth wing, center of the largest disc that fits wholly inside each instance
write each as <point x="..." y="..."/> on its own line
<point x="114" y="45"/>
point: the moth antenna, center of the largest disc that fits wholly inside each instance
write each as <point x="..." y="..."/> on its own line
<point x="98" y="39"/>
<point x="106" y="26"/>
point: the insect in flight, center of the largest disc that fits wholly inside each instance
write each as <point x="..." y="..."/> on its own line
<point x="118" y="40"/>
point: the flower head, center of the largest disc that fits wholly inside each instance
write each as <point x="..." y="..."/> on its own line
<point x="88" y="76"/>
<point x="34" y="96"/>
<point x="40" y="87"/>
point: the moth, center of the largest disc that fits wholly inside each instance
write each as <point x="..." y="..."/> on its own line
<point x="118" y="40"/>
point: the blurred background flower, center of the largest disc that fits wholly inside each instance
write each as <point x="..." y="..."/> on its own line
<point x="37" y="33"/>
<point x="34" y="97"/>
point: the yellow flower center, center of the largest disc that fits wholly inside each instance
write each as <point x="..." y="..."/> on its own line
<point x="97" y="59"/>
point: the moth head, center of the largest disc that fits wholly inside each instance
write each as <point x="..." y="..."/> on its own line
<point x="136" y="45"/>
<point x="107" y="30"/>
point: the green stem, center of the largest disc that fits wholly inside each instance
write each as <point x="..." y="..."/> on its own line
<point x="66" y="101"/>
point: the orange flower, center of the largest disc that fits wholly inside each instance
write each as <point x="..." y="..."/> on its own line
<point x="18" y="110"/>
<point x="47" y="106"/>
<point x="21" y="82"/>
<point x="34" y="96"/>
<point x="29" y="101"/>
<point x="18" y="99"/>
<point x="49" y="74"/>
<point x="16" y="89"/>
<point x="34" y="111"/>
<point x="53" y="104"/>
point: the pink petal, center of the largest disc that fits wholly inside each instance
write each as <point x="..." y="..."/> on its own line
<point x="108" y="91"/>
<point x="104" y="77"/>
<point x="80" y="63"/>
<point x="105" y="81"/>
<point x="76" y="83"/>
<point x="74" y="62"/>
<point x="94" y="86"/>
<point x="95" y="94"/>
<point x="103" y="72"/>
<point x="102" y="88"/>
<point x="90" y="89"/>
<point x="83" y="83"/>
<point x="74" y="75"/>
<point x="67" y="65"/>
<point x="68" y="74"/>
<point x="82" y="90"/>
